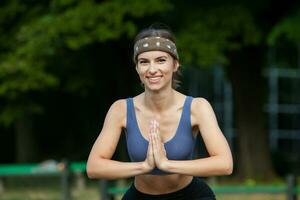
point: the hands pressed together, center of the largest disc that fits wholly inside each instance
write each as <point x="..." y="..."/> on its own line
<point x="156" y="154"/>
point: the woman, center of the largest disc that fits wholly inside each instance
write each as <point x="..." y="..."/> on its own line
<point x="161" y="125"/>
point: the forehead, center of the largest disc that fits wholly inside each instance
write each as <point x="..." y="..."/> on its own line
<point x="152" y="54"/>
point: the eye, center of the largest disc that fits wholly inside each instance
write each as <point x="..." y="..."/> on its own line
<point x="161" y="60"/>
<point x="142" y="62"/>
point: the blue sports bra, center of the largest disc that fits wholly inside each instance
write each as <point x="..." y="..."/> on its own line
<point x="179" y="147"/>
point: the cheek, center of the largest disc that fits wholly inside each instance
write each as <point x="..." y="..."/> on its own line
<point x="138" y="70"/>
<point x="140" y="73"/>
<point x="169" y="69"/>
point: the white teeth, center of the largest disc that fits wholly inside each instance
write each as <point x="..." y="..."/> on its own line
<point x="154" y="79"/>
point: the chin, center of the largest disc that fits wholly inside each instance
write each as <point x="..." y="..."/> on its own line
<point x="156" y="88"/>
<point x="153" y="86"/>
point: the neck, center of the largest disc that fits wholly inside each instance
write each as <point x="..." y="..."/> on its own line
<point x="159" y="101"/>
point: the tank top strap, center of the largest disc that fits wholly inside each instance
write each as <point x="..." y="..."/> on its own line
<point x="187" y="105"/>
<point x="130" y="112"/>
<point x="186" y="112"/>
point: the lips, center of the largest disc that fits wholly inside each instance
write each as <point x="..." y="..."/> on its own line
<point x="154" y="79"/>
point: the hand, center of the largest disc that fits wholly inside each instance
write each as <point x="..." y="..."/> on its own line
<point x="149" y="163"/>
<point x="158" y="148"/>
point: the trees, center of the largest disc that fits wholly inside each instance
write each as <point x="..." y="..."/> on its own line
<point x="229" y="36"/>
<point x="235" y="35"/>
<point x="34" y="34"/>
<point x="53" y="49"/>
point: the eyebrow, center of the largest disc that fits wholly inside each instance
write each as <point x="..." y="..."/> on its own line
<point x="155" y="58"/>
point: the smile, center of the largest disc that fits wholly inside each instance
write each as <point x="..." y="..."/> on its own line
<point x="154" y="79"/>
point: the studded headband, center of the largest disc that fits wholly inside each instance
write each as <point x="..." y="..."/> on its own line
<point x="154" y="43"/>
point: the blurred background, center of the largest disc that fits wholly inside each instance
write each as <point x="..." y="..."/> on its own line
<point x="64" y="62"/>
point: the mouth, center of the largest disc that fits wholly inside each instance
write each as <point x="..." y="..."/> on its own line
<point x="154" y="79"/>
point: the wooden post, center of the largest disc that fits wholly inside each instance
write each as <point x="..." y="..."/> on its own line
<point x="291" y="186"/>
<point x="65" y="181"/>
<point x="104" y="190"/>
<point x="79" y="181"/>
<point x="1" y="185"/>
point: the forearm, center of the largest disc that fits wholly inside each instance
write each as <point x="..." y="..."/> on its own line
<point x="111" y="169"/>
<point x="211" y="166"/>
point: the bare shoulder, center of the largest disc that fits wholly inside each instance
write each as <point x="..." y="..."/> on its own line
<point x="118" y="111"/>
<point x="119" y="104"/>
<point x="200" y="105"/>
<point x="202" y="113"/>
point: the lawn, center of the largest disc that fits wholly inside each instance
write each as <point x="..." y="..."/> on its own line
<point x="92" y="193"/>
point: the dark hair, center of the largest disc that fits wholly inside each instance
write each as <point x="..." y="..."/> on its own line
<point x="164" y="32"/>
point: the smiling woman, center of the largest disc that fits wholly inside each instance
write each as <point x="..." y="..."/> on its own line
<point x="164" y="40"/>
<point x="156" y="69"/>
<point x="161" y="125"/>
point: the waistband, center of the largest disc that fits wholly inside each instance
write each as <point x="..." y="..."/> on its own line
<point x="192" y="189"/>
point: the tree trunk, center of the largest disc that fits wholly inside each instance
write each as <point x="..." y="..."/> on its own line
<point x="253" y="152"/>
<point x="26" y="150"/>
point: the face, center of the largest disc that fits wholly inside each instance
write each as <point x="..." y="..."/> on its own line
<point x="155" y="69"/>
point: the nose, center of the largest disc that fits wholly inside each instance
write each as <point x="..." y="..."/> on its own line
<point x="152" y="68"/>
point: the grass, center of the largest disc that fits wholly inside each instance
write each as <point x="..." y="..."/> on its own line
<point x="50" y="189"/>
<point x="252" y="197"/>
<point x="48" y="194"/>
<point x="92" y="193"/>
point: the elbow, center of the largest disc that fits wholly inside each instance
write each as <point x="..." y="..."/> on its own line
<point x="90" y="174"/>
<point x="228" y="171"/>
<point x="227" y="168"/>
<point x="93" y="169"/>
<point x="90" y="171"/>
<point x="224" y="166"/>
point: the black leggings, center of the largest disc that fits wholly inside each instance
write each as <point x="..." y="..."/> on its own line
<point x="196" y="190"/>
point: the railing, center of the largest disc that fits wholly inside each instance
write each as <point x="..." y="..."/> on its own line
<point x="290" y="189"/>
<point x="63" y="169"/>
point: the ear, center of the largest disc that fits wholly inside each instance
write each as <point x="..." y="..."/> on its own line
<point x="176" y="65"/>
<point x="136" y="68"/>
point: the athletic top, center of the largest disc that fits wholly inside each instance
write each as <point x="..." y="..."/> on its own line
<point x="179" y="147"/>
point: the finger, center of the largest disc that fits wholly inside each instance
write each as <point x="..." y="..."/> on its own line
<point x="150" y="148"/>
<point x="152" y="123"/>
<point x="152" y="136"/>
<point x="156" y="142"/>
<point x="157" y="130"/>
<point x="150" y="141"/>
<point x="151" y="128"/>
<point x="154" y="126"/>
<point x="150" y="151"/>
<point x="157" y="135"/>
<point x="156" y="123"/>
<point x="159" y="144"/>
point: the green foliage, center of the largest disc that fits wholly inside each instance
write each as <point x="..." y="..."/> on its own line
<point x="289" y="28"/>
<point x="16" y="110"/>
<point x="209" y="34"/>
<point x="84" y="23"/>
<point x="31" y="35"/>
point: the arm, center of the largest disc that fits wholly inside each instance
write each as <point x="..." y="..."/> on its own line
<point x="99" y="164"/>
<point x="219" y="161"/>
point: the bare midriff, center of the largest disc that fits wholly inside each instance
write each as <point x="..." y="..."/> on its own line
<point x="161" y="184"/>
